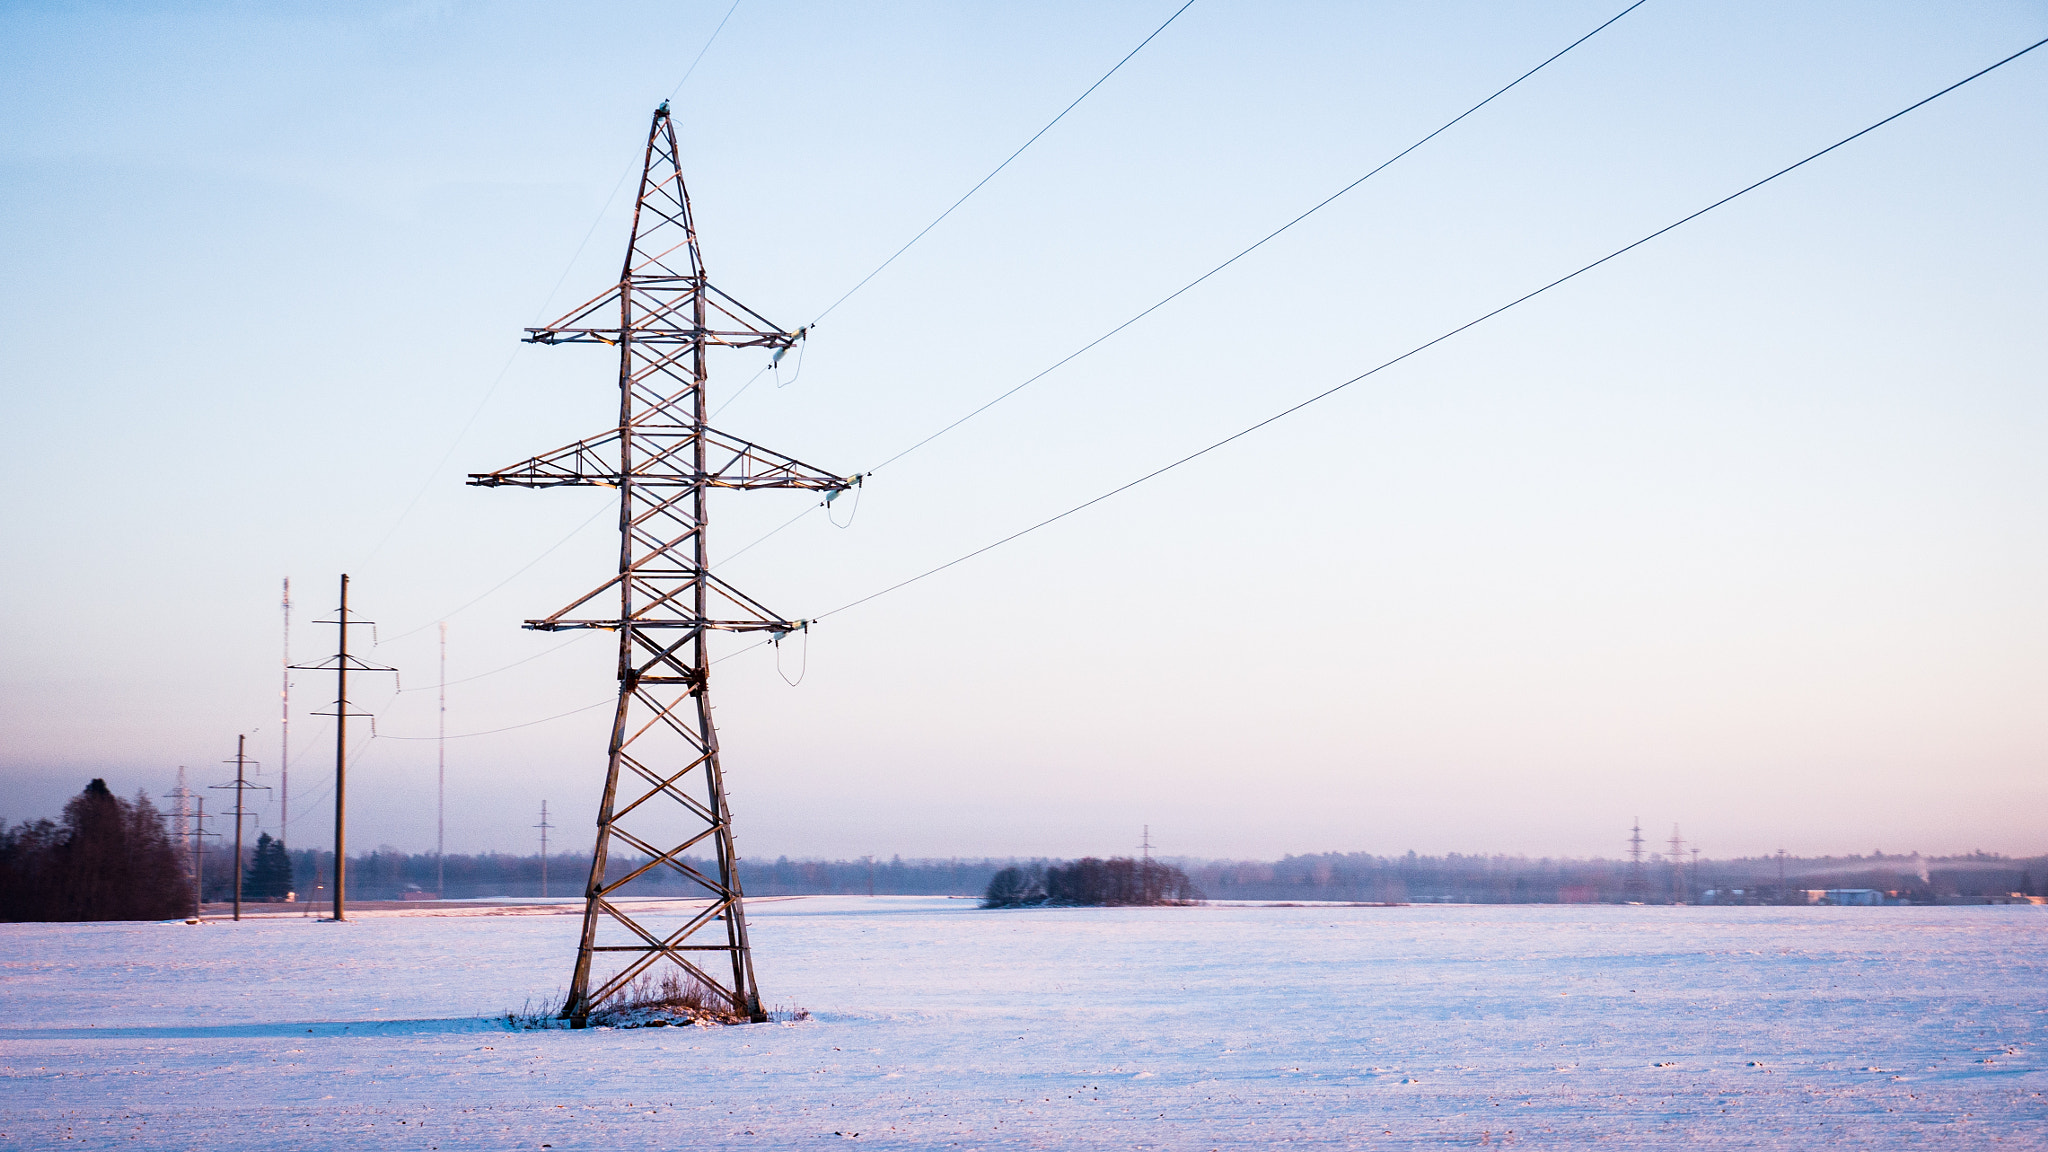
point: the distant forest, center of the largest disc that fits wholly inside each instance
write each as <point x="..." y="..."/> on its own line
<point x="1356" y="876"/>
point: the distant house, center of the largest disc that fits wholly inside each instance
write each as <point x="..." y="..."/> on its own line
<point x="1852" y="897"/>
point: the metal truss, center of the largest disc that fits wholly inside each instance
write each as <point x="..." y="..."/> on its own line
<point x="664" y="791"/>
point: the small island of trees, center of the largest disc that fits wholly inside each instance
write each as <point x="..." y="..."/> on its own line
<point x="1089" y="882"/>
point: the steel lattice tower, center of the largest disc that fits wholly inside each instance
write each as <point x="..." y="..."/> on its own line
<point x="664" y="790"/>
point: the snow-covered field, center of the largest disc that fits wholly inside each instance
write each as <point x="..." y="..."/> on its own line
<point x="936" y="1024"/>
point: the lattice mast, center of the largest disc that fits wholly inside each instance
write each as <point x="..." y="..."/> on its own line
<point x="664" y="791"/>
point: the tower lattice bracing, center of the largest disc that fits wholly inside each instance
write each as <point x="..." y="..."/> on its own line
<point x="664" y="800"/>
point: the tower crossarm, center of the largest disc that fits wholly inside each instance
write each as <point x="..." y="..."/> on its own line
<point x="664" y="457"/>
<point x="665" y="598"/>
<point x="654" y="306"/>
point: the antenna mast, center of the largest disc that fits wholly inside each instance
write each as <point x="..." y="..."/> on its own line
<point x="664" y="317"/>
<point x="441" y="779"/>
<point x="284" y="726"/>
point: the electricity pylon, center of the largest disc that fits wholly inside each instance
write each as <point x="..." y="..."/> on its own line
<point x="664" y="790"/>
<point x="1636" y="888"/>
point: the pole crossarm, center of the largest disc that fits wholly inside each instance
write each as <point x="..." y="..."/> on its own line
<point x="354" y="663"/>
<point x="664" y="788"/>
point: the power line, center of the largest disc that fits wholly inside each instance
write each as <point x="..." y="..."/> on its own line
<point x="580" y="636"/>
<point x="1328" y="392"/>
<point x="573" y="533"/>
<point x="557" y="716"/>
<point x="499" y="378"/>
<point x="998" y="168"/>
<point x="473" y="601"/>
<point x="708" y="42"/>
<point x="1261" y="242"/>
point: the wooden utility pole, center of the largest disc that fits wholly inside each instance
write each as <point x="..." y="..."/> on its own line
<point x="199" y="860"/>
<point x="339" y="664"/>
<point x="341" y="761"/>
<point x="241" y="787"/>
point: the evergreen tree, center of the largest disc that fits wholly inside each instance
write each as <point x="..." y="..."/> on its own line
<point x="270" y="871"/>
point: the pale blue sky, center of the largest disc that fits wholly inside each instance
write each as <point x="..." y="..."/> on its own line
<point x="1742" y="531"/>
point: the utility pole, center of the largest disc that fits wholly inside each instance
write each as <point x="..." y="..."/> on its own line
<point x="340" y="663"/>
<point x="199" y="860"/>
<point x="441" y="779"/>
<point x="284" y="725"/>
<point x="1696" y="889"/>
<point x="871" y="875"/>
<point x="1784" y="897"/>
<point x="1636" y="889"/>
<point x="663" y="459"/>
<point x="241" y="787"/>
<point x="543" y="826"/>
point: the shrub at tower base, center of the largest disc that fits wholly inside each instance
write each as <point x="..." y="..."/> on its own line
<point x="109" y="859"/>
<point x="1119" y="880"/>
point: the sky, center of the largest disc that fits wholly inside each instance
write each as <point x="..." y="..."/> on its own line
<point x="1742" y="531"/>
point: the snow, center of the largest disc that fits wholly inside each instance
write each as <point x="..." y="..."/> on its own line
<point x="937" y="1024"/>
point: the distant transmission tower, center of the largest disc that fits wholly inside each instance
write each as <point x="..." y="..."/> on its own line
<point x="543" y="826"/>
<point x="664" y="791"/>
<point x="1637" y="887"/>
<point x="1677" y="867"/>
<point x="181" y="816"/>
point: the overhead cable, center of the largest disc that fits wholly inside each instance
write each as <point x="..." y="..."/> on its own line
<point x="1333" y="390"/>
<point x="560" y="715"/>
<point x="474" y="600"/>
<point x="1005" y="164"/>
<point x="580" y="636"/>
<point x="1261" y="242"/>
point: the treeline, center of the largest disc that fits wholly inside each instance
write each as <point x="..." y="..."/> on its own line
<point x="387" y="874"/>
<point x="1346" y="877"/>
<point x="105" y="859"/>
<point x="1118" y="881"/>
<point x="110" y="858"/>
<point x="1359" y="876"/>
